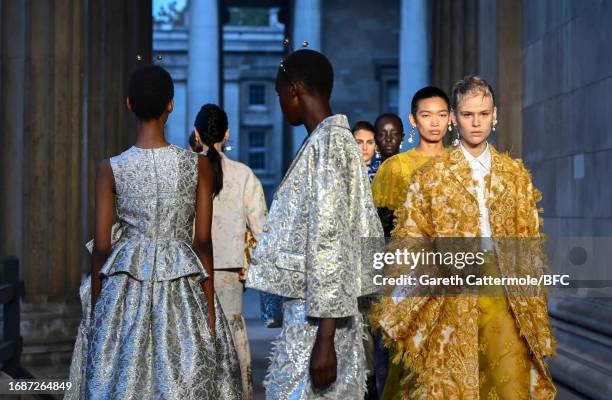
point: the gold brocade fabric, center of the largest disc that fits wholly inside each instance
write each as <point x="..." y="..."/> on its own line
<point x="503" y="357"/>
<point x="439" y="339"/>
<point x="390" y="184"/>
<point x="389" y="189"/>
<point x="249" y="245"/>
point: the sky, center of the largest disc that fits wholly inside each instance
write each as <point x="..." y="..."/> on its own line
<point x="158" y="4"/>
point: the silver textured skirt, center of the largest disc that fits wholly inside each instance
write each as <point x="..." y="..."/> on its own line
<point x="152" y="340"/>
<point x="288" y="376"/>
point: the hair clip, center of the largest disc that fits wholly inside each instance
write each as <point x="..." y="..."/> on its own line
<point x="286" y="43"/>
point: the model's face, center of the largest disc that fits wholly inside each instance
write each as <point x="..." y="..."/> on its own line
<point x="474" y="118"/>
<point x="389" y="136"/>
<point x="431" y="119"/>
<point x="289" y="103"/>
<point x="366" y="143"/>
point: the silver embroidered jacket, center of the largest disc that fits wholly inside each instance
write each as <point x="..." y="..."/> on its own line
<point x="311" y="246"/>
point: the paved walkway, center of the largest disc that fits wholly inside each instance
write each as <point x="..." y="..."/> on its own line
<point x="260" y="339"/>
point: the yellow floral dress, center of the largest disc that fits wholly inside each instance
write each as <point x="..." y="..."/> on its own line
<point x="390" y="184"/>
<point x="389" y="190"/>
<point x="471" y="347"/>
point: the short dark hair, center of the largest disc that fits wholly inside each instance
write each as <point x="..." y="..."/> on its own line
<point x="311" y="68"/>
<point x="471" y="84"/>
<point x="364" y="125"/>
<point x="427" y="93"/>
<point x="392" y="116"/>
<point x="149" y="91"/>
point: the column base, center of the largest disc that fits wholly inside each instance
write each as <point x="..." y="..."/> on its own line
<point x="49" y="331"/>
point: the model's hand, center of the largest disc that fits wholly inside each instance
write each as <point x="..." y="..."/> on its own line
<point x="323" y="362"/>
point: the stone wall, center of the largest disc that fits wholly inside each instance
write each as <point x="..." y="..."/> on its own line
<point x="567" y="144"/>
<point x="567" y="103"/>
<point x="357" y="39"/>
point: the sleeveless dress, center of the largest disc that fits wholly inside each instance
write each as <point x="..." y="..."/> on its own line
<point x="150" y="337"/>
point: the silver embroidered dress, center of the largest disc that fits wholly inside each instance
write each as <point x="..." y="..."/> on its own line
<point x="311" y="251"/>
<point x="150" y="337"/>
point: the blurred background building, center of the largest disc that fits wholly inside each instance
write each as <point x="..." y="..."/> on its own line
<point x="63" y="75"/>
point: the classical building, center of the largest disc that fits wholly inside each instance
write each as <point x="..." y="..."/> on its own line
<point x="252" y="47"/>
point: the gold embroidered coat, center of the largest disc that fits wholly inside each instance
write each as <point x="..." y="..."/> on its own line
<point x="436" y="338"/>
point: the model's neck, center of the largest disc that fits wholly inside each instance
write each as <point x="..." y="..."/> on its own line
<point x="475" y="150"/>
<point x="151" y="134"/>
<point x="317" y="112"/>
<point x="431" y="149"/>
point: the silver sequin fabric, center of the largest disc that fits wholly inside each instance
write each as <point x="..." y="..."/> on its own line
<point x="149" y="337"/>
<point x="311" y="246"/>
<point x="288" y="377"/>
<point x="311" y="250"/>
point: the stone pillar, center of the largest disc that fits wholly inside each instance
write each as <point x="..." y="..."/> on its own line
<point x="414" y="66"/>
<point x="64" y="70"/>
<point x="509" y="77"/>
<point x="231" y="105"/>
<point x="488" y="47"/>
<point x="306" y="26"/>
<point x="454" y="43"/>
<point x="203" y="75"/>
<point x="454" y="46"/>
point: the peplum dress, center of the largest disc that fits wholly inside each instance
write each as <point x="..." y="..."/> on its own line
<point x="150" y="337"/>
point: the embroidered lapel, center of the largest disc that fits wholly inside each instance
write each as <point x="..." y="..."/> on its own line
<point x="460" y="168"/>
<point x="495" y="184"/>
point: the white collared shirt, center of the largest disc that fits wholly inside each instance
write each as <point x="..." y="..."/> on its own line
<point x="481" y="167"/>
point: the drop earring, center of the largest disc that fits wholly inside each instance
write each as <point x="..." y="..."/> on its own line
<point x="494" y="125"/>
<point x="227" y="146"/>
<point x="450" y="127"/>
<point x="456" y="140"/>
<point x="377" y="153"/>
<point x="411" y="135"/>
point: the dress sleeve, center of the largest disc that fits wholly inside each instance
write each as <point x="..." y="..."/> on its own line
<point x="389" y="185"/>
<point x="255" y="205"/>
<point x="331" y="282"/>
<point x="413" y="219"/>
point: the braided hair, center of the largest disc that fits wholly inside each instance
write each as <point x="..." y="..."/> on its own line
<point x="211" y="123"/>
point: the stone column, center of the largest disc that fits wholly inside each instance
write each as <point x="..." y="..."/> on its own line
<point x="414" y="53"/>
<point x="231" y="105"/>
<point x="306" y="26"/>
<point x="509" y="77"/>
<point x="203" y="79"/>
<point x="454" y="41"/>
<point x="64" y="70"/>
